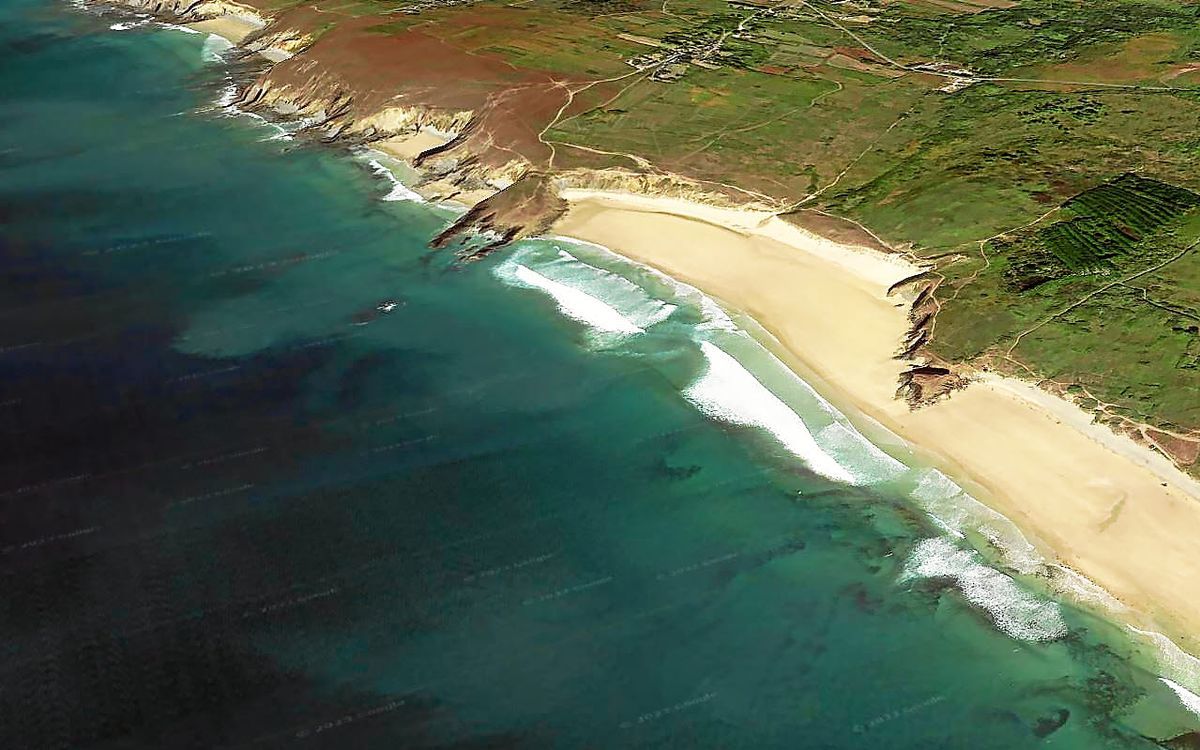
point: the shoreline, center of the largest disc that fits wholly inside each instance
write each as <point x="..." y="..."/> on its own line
<point x="232" y="28"/>
<point x="1094" y="502"/>
<point x="813" y="289"/>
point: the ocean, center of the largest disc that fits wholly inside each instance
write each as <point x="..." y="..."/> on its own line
<point x="274" y="473"/>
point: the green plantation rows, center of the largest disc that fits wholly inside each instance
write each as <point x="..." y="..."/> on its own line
<point x="1142" y="203"/>
<point x="1086" y="244"/>
<point x="1105" y="230"/>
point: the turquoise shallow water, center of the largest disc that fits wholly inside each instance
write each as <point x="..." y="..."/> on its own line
<point x="541" y="502"/>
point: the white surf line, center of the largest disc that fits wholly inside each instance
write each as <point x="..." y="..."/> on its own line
<point x="1190" y="700"/>
<point x="399" y="191"/>
<point x="576" y="304"/>
<point x="729" y="392"/>
<point x="1017" y="612"/>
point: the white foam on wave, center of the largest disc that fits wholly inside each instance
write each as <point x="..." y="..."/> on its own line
<point x="628" y="298"/>
<point x="177" y="27"/>
<point x="228" y="97"/>
<point x="129" y="25"/>
<point x="1017" y="612"/>
<point x="283" y="132"/>
<point x="866" y="461"/>
<point x="215" y="47"/>
<point x="576" y="304"/>
<point x="729" y="392"/>
<point x="1176" y="665"/>
<point x="1084" y="590"/>
<point x="399" y="191"/>
<point x="1190" y="700"/>
<point x="955" y="511"/>
<point x="713" y="317"/>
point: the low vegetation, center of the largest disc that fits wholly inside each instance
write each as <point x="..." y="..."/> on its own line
<point x="1042" y="153"/>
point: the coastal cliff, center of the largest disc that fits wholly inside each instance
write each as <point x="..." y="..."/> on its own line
<point x="318" y="80"/>
<point x="195" y="10"/>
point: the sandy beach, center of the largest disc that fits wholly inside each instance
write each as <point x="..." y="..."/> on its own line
<point x="235" y="28"/>
<point x="409" y="147"/>
<point x="1114" y="511"/>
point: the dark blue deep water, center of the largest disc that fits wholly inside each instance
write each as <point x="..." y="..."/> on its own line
<point x="240" y="506"/>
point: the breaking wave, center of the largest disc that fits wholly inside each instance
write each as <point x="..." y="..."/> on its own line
<point x="729" y="392"/>
<point x="128" y="25"/>
<point x="576" y="304"/>
<point x="644" y="309"/>
<point x="399" y="191"/>
<point x="1016" y="611"/>
<point x="1175" y="666"/>
<point x="764" y="393"/>
<point x="215" y="47"/>
<point x="713" y="318"/>
<point x="608" y="303"/>
<point x="865" y="460"/>
<point x="1190" y="700"/>
<point x="957" y="513"/>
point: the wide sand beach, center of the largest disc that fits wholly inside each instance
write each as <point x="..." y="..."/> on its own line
<point x="1097" y="503"/>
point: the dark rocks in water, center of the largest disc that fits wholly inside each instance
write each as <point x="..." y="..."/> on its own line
<point x="1048" y="725"/>
<point x="864" y="600"/>
<point x="526" y="208"/>
<point x="679" y="473"/>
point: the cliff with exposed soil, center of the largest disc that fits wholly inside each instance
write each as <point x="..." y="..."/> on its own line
<point x="194" y="10"/>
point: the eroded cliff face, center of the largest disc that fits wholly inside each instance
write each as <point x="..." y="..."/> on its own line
<point x="357" y="87"/>
<point x="321" y="89"/>
<point x="527" y="208"/>
<point x="659" y="185"/>
<point x="299" y="87"/>
<point x="195" y="10"/>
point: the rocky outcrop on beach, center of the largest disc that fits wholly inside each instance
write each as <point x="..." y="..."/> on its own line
<point x="930" y="379"/>
<point x="336" y="110"/>
<point x="527" y="208"/>
<point x="924" y="384"/>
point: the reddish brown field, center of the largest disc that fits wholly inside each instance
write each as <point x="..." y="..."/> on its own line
<point x="449" y="71"/>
